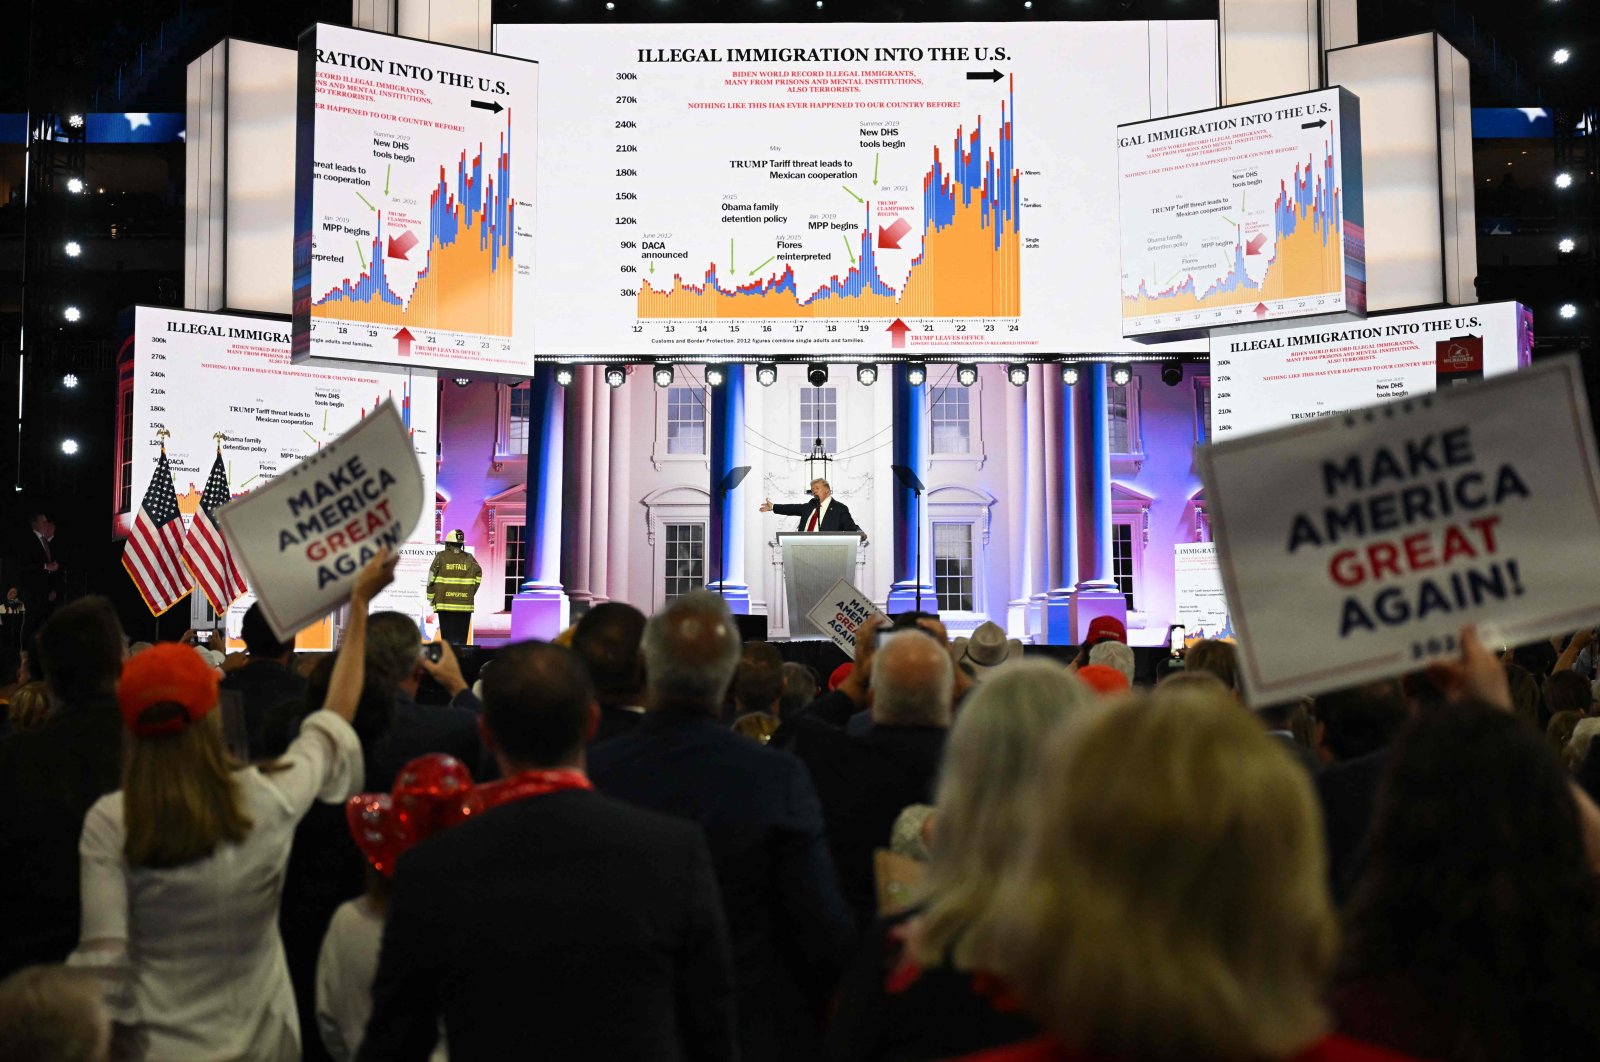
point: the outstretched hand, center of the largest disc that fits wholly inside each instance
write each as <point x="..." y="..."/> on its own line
<point x="766" y="506"/>
<point x="1476" y="673"/>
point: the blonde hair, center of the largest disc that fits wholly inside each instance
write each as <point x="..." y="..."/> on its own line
<point x="1578" y="744"/>
<point x="985" y="796"/>
<point x="1172" y="899"/>
<point x="179" y="796"/>
<point x="29" y="707"/>
<point x="53" y="1014"/>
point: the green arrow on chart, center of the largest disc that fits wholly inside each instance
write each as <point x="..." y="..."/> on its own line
<point x="251" y="480"/>
<point x="363" y="256"/>
<point x="386" y="170"/>
<point x="757" y="269"/>
<point x="313" y="438"/>
<point x="364" y="200"/>
<point x="848" y="249"/>
<point x="324" y="420"/>
<point x="731" y="266"/>
<point x="874" y="169"/>
<point x="857" y="198"/>
<point x="652" y="266"/>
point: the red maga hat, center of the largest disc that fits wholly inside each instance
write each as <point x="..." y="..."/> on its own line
<point x="168" y="673"/>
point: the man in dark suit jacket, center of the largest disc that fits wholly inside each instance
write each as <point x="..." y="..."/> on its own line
<point x="559" y="924"/>
<point x="395" y="661"/>
<point x="43" y="587"/>
<point x="864" y="781"/>
<point x="791" y="931"/>
<point x="607" y="641"/>
<point x="821" y="513"/>
<point x="50" y="777"/>
<point x="265" y="681"/>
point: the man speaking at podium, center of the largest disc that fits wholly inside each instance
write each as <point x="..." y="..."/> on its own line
<point x="821" y="513"/>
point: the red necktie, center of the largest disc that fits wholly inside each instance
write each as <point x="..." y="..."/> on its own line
<point x="812" y="526"/>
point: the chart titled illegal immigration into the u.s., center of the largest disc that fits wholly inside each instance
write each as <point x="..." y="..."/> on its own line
<point x="414" y="203"/>
<point x="836" y="188"/>
<point x="1244" y="213"/>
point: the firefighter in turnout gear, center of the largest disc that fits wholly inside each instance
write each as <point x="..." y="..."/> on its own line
<point x="453" y="580"/>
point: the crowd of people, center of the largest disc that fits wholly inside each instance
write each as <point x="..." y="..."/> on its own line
<point x="646" y="840"/>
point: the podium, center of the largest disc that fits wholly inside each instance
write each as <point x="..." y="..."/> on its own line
<point x="812" y="562"/>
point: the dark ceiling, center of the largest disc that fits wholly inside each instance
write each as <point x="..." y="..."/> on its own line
<point x="132" y="53"/>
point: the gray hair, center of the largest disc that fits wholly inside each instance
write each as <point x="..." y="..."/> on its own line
<point x="1114" y="654"/>
<point x="686" y="656"/>
<point x="824" y="482"/>
<point x="913" y="681"/>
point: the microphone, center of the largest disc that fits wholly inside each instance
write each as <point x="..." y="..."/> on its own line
<point x="810" y="493"/>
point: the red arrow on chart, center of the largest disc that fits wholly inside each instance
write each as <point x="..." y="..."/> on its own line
<point x="1258" y="241"/>
<point x="399" y="247"/>
<point x="890" y="237"/>
<point x="1261" y="309"/>
<point x="405" y="337"/>
<point x="898" y="330"/>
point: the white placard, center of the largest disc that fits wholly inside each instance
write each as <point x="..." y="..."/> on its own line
<point x="303" y="537"/>
<point x="840" y="614"/>
<point x="1242" y="214"/>
<point x="414" y="186"/>
<point x="841" y="188"/>
<point x="1266" y="379"/>
<point x="1354" y="548"/>
<point x="1201" y="605"/>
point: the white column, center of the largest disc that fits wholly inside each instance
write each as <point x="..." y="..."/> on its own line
<point x="599" y="483"/>
<point x="1275" y="47"/>
<point x="1016" y="510"/>
<point x="626" y="532"/>
<point x="580" y="466"/>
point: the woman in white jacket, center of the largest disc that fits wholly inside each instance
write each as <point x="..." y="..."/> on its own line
<point x="182" y="868"/>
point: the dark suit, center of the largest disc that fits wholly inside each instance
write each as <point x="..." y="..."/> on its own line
<point x="837" y="518"/>
<point x="419" y="729"/>
<point x="48" y="780"/>
<point x="263" y="685"/>
<point x="564" y="926"/>
<point x="36" y="584"/>
<point x="791" y="931"/>
<point x="864" y="783"/>
<point x="1348" y="791"/>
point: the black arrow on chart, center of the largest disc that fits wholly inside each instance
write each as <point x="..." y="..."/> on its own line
<point x="1318" y="124"/>
<point x="984" y="75"/>
<point x="492" y="105"/>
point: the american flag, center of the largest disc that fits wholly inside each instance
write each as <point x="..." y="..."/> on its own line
<point x="206" y="552"/>
<point x="153" y="555"/>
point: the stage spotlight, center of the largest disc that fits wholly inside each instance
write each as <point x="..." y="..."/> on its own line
<point x="75" y="185"/>
<point x="663" y="375"/>
<point x="616" y="375"/>
<point x="1172" y="373"/>
<point x="766" y="375"/>
<point x="1561" y="55"/>
<point x="72" y="313"/>
<point x="69" y="381"/>
<point x="75" y="121"/>
<point x="1563" y="179"/>
<point x="1566" y="245"/>
<point x="714" y="376"/>
<point x="1121" y="374"/>
<point x="1069" y="375"/>
<point x="69" y="446"/>
<point x="462" y="381"/>
<point x="966" y="375"/>
<point x="1018" y="375"/>
<point x="73" y="248"/>
<point x="1568" y="311"/>
<point x="916" y="374"/>
<point x="817" y="373"/>
<point x="564" y="375"/>
<point x="866" y="374"/>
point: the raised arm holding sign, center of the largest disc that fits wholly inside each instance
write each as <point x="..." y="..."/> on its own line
<point x="1356" y="547"/>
